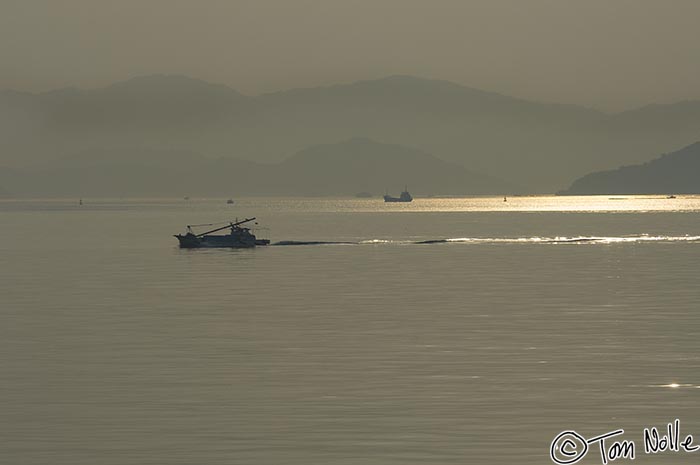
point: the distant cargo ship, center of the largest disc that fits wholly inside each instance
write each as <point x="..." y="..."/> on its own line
<point x="404" y="197"/>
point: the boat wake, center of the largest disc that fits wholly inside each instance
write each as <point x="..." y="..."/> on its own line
<point x="315" y="243"/>
<point x="567" y="240"/>
<point x="511" y="240"/>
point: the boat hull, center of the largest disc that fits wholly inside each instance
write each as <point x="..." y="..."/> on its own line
<point x="388" y="198"/>
<point x="190" y="241"/>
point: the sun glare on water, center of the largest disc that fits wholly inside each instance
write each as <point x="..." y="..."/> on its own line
<point x="543" y="203"/>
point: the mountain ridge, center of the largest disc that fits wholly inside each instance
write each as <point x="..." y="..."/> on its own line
<point x="319" y="170"/>
<point x="153" y="77"/>
<point x="670" y="173"/>
<point x="538" y="145"/>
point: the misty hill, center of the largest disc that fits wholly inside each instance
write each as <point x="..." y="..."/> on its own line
<point x="345" y="168"/>
<point x="537" y="145"/>
<point x="363" y="165"/>
<point x="674" y="173"/>
<point x="679" y="116"/>
<point x="152" y="101"/>
<point x="408" y="93"/>
<point x="131" y="172"/>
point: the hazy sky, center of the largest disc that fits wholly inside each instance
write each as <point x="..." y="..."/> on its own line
<point x="608" y="54"/>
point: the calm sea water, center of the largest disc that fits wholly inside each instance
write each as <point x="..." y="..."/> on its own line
<point x="537" y="315"/>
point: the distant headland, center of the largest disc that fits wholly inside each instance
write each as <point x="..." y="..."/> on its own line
<point x="673" y="173"/>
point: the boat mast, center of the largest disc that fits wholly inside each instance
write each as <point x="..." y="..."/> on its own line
<point x="230" y="225"/>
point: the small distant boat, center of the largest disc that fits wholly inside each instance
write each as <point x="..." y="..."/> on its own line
<point x="186" y="198"/>
<point x="229" y="201"/>
<point x="671" y="197"/>
<point x="404" y="197"/>
<point x="239" y="237"/>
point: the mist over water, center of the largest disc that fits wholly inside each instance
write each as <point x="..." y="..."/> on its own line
<point x="522" y="320"/>
<point x="509" y="314"/>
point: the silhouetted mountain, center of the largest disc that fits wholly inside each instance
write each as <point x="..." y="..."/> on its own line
<point x="676" y="117"/>
<point x="131" y="172"/>
<point x="674" y="173"/>
<point x="360" y="164"/>
<point x="532" y="144"/>
<point x="344" y="168"/>
<point x="157" y="103"/>
<point x="408" y="93"/>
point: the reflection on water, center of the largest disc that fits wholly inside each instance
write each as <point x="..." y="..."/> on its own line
<point x="504" y="240"/>
<point x="592" y="203"/>
<point x="523" y="320"/>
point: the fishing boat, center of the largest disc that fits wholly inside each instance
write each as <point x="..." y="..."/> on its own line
<point x="404" y="197"/>
<point x="239" y="237"/>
